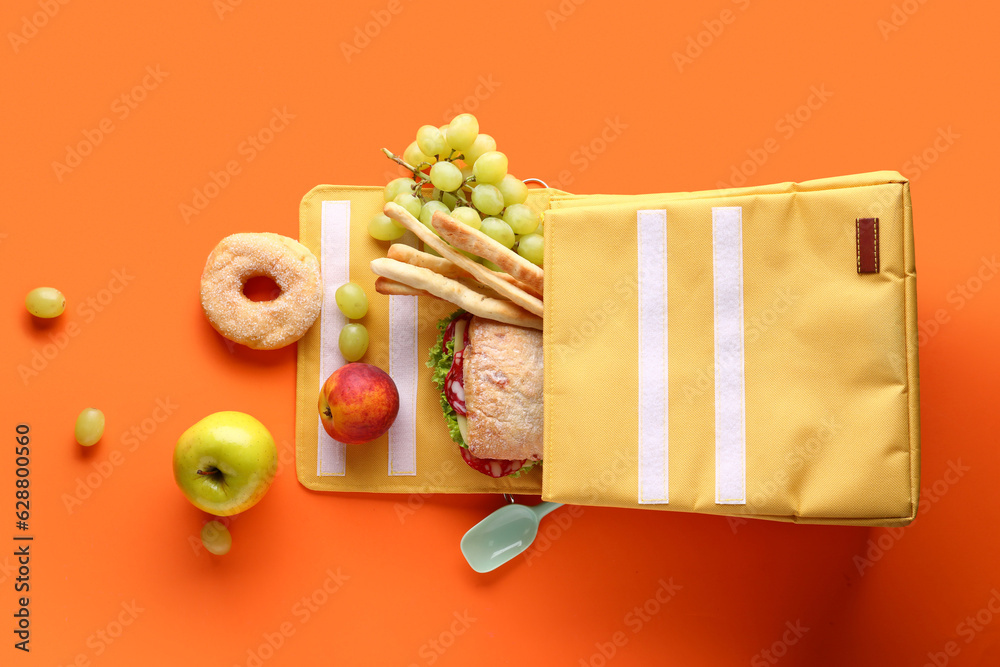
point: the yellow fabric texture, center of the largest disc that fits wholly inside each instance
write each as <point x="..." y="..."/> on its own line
<point x="832" y="392"/>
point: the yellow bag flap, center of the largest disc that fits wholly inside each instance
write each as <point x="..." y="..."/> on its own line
<point x="829" y="354"/>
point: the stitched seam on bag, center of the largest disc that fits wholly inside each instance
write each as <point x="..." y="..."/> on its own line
<point x="908" y="302"/>
<point x="711" y="194"/>
<point x="857" y="240"/>
<point x="875" y="237"/>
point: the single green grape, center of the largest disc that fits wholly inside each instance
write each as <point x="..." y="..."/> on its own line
<point x="487" y="199"/>
<point x="443" y="129"/>
<point x="427" y="212"/>
<point x="531" y="247"/>
<point x="411" y="203"/>
<point x="399" y="186"/>
<point x="216" y="538"/>
<point x="499" y="231"/>
<point x="431" y="141"/>
<point x="540" y="228"/>
<point x="89" y="426"/>
<point x="492" y="267"/>
<point x="352" y="300"/>
<point x="446" y="176"/>
<point x="414" y="157"/>
<point x="384" y="228"/>
<point x="467" y="215"/>
<point x="513" y="189"/>
<point x="521" y="218"/>
<point x="484" y="143"/>
<point x="45" y="302"/>
<point x="491" y="167"/>
<point x="353" y="341"/>
<point x="462" y="131"/>
<point x="448" y="199"/>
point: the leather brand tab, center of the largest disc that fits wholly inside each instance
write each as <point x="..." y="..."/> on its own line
<point x="867" y="242"/>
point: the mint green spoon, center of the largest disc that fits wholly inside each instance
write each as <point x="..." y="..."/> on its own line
<point x="503" y="535"/>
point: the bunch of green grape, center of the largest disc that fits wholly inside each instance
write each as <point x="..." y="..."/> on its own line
<point x="458" y="170"/>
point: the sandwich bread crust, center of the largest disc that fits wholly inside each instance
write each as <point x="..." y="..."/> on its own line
<point x="503" y="390"/>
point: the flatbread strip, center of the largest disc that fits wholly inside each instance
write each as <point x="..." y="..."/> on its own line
<point x="411" y="255"/>
<point x="472" y="240"/>
<point x="405" y="253"/>
<point x="394" y="288"/>
<point x="455" y="292"/>
<point x="530" y="303"/>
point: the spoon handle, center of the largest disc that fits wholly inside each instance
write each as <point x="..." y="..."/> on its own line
<point x="543" y="508"/>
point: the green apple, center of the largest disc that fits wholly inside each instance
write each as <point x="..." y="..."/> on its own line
<point x="225" y="463"/>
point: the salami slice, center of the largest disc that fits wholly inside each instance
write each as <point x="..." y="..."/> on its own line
<point x="491" y="467"/>
<point x="454" y="384"/>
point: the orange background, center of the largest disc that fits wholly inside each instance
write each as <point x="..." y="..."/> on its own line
<point x="901" y="79"/>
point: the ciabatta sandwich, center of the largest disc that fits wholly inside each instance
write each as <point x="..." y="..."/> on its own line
<point x="490" y="377"/>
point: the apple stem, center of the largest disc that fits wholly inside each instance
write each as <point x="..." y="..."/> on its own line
<point x="210" y="471"/>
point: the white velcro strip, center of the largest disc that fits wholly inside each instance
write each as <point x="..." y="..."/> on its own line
<point x="730" y="389"/>
<point x="335" y="267"/>
<point x="403" y="369"/>
<point x="653" y="403"/>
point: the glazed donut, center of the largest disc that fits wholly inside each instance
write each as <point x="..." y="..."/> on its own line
<point x="261" y="325"/>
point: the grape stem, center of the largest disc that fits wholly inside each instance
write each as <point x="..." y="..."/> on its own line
<point x="422" y="179"/>
<point x="400" y="161"/>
